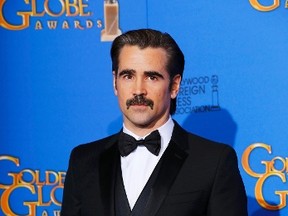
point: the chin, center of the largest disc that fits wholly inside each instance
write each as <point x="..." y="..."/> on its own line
<point x="141" y="121"/>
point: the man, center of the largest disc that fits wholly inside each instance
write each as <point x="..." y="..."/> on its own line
<point x="184" y="175"/>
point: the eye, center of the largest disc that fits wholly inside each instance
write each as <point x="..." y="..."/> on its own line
<point x="127" y="76"/>
<point x="152" y="77"/>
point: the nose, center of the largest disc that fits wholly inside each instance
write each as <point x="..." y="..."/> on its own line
<point x="139" y="87"/>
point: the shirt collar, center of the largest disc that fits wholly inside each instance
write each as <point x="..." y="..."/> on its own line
<point x="165" y="132"/>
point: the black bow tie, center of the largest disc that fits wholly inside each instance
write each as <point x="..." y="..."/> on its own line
<point x="127" y="143"/>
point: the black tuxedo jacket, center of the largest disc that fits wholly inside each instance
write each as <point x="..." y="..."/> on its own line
<point x="197" y="177"/>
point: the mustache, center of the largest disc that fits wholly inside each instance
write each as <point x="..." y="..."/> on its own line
<point x="139" y="100"/>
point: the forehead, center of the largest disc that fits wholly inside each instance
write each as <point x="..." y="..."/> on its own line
<point x="147" y="57"/>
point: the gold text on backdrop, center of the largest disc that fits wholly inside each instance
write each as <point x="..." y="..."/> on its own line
<point x="271" y="170"/>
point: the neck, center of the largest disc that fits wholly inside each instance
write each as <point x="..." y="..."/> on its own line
<point x="143" y="130"/>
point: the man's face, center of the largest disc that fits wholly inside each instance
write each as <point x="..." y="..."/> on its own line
<point x="142" y="87"/>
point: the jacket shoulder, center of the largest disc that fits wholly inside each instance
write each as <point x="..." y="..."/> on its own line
<point x="196" y="143"/>
<point x="94" y="148"/>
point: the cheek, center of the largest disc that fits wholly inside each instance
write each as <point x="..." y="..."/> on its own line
<point x="122" y="95"/>
<point x="118" y="89"/>
<point x="163" y="98"/>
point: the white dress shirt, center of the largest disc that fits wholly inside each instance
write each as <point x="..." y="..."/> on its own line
<point x="139" y="164"/>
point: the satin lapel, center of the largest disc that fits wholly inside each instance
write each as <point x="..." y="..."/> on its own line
<point x="109" y="161"/>
<point x="170" y="165"/>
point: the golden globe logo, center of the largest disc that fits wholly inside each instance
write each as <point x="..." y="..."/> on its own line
<point x="35" y="183"/>
<point x="67" y="8"/>
<point x="265" y="8"/>
<point x="271" y="170"/>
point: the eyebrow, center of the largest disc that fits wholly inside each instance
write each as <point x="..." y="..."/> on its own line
<point x="147" y="73"/>
<point x="126" y="71"/>
<point x="154" y="73"/>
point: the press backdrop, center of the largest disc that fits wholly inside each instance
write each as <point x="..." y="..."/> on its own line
<point x="56" y="89"/>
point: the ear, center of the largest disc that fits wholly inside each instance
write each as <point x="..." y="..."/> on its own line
<point x="114" y="83"/>
<point x="175" y="86"/>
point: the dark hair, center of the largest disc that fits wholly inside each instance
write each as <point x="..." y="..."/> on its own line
<point x="144" y="38"/>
